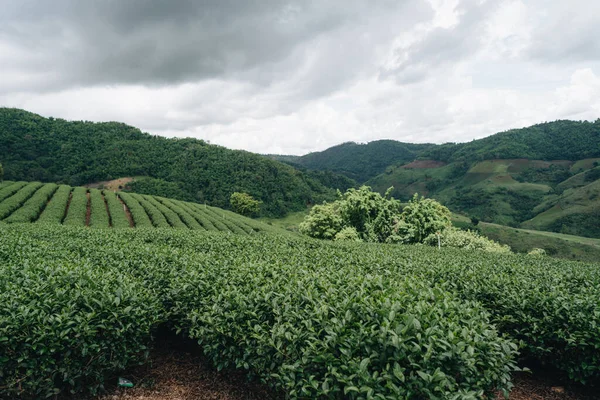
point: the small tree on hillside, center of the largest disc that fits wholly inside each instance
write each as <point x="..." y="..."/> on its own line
<point x="420" y="218"/>
<point x="323" y="222"/>
<point x="243" y="203"/>
<point x="1" y="173"/>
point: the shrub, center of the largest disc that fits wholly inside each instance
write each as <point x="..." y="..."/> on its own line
<point x="330" y="331"/>
<point x="245" y="204"/>
<point x="56" y="208"/>
<point x="64" y="325"/>
<point x="116" y="210"/>
<point x="77" y="211"/>
<point x="32" y="208"/>
<point x="323" y="222"/>
<point x="452" y="237"/>
<point x="347" y="234"/>
<point x="537" y="252"/>
<point x="419" y="219"/>
<point x="12" y="203"/>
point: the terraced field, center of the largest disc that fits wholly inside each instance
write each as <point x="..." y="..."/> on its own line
<point x="61" y="204"/>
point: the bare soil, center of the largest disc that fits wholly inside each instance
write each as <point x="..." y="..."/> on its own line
<point x="178" y="371"/>
<point x="107" y="210"/>
<point x="127" y="213"/>
<point x="88" y="212"/>
<point x="67" y="207"/>
<point x="114" y="185"/>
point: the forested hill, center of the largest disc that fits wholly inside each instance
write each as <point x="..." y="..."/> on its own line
<point x="76" y="152"/>
<point x="558" y="140"/>
<point x="361" y="161"/>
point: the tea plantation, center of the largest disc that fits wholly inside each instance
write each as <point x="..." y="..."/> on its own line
<point x="79" y="206"/>
<point x="310" y="318"/>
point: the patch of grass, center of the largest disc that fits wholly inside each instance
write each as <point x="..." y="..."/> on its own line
<point x="290" y="222"/>
<point x="557" y="245"/>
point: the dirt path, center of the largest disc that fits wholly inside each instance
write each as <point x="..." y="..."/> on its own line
<point x="532" y="387"/>
<point x="67" y="207"/>
<point x="107" y="210"/>
<point x="88" y="212"/>
<point x="127" y="212"/>
<point x="178" y="371"/>
<point x="114" y="185"/>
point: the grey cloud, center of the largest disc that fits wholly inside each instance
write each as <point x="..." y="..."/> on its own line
<point x="157" y="42"/>
<point x="442" y="46"/>
<point x="567" y="32"/>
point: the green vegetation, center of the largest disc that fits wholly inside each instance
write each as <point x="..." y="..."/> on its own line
<point x="312" y="318"/>
<point x="367" y="216"/>
<point x="77" y="208"/>
<point x="171" y="216"/>
<point x="55" y="210"/>
<point x="468" y="240"/>
<point x="559" y="140"/>
<point x="53" y="204"/>
<point x="244" y="204"/>
<point x="78" y="153"/>
<point x="140" y="218"/>
<point x="515" y="192"/>
<point x="16" y="201"/>
<point x="555" y="244"/>
<point x="32" y="208"/>
<point x="116" y="210"/>
<point x="99" y="217"/>
<point x="360" y="161"/>
<point x="9" y="189"/>
<point x="184" y="215"/>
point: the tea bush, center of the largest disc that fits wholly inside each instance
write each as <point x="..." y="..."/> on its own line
<point x="313" y="318"/>
<point x="32" y="208"/>
<point x="77" y="211"/>
<point x="56" y="208"/>
<point x="118" y="218"/>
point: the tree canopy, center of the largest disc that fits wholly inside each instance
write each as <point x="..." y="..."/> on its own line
<point x="361" y="214"/>
<point x="243" y="203"/>
<point x="34" y="148"/>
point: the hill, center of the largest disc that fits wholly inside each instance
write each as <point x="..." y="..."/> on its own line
<point x="360" y="161"/>
<point x="34" y="148"/>
<point x="542" y="177"/>
<point x="23" y="202"/>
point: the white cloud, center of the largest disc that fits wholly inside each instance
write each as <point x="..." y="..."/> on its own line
<point x="417" y="71"/>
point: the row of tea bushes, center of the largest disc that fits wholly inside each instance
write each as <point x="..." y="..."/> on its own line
<point x="336" y="320"/>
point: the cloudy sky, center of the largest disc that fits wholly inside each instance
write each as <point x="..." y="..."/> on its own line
<point x="290" y="77"/>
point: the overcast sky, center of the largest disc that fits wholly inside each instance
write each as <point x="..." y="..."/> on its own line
<point x="296" y="76"/>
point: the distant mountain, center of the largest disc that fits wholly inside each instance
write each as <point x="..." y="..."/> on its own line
<point x="559" y="140"/>
<point x="361" y="161"/>
<point x="76" y="152"/>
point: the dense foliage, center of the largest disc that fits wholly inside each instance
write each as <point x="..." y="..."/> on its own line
<point x="313" y="318"/>
<point x="421" y="218"/>
<point x="78" y="152"/>
<point x="558" y="140"/>
<point x="224" y="291"/>
<point x="244" y="204"/>
<point x="468" y="240"/>
<point x="361" y="161"/>
<point x="367" y="216"/>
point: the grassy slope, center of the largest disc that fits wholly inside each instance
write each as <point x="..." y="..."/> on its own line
<point x="556" y="244"/>
<point x="507" y="192"/>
